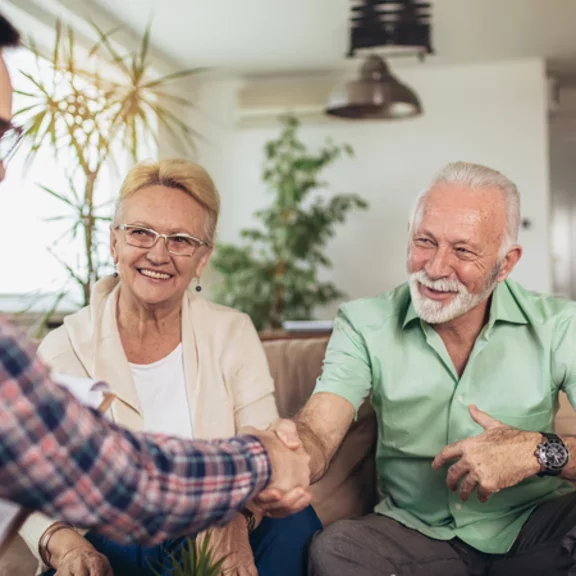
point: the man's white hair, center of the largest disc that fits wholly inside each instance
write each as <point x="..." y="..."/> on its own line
<point x="476" y="176"/>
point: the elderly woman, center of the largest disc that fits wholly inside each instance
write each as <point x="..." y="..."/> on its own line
<point x="178" y="365"/>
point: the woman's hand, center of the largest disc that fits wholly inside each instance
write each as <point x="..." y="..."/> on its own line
<point x="84" y="561"/>
<point x="72" y="555"/>
<point x="232" y="541"/>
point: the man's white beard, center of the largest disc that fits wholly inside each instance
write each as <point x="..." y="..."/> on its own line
<point x="436" y="312"/>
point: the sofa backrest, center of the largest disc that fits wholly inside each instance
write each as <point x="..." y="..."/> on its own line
<point x="349" y="488"/>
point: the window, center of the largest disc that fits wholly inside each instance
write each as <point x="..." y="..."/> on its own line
<point x="33" y="223"/>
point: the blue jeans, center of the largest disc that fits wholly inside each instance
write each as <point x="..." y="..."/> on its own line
<point x="279" y="547"/>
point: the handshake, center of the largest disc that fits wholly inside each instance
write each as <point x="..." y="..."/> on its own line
<point x="288" y="490"/>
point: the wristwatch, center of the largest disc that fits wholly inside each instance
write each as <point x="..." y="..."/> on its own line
<point x="552" y="454"/>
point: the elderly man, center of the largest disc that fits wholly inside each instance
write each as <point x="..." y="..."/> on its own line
<point x="65" y="460"/>
<point x="464" y="368"/>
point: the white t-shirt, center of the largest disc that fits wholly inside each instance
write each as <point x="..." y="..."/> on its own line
<point x="161" y="388"/>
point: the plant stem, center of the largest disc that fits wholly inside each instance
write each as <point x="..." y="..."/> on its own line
<point x="89" y="234"/>
<point x="278" y="300"/>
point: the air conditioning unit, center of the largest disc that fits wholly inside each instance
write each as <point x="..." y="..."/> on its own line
<point x="262" y="100"/>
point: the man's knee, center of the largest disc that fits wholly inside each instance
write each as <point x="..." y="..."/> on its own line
<point x="328" y="546"/>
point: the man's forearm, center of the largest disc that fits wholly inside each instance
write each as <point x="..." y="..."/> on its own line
<point x="319" y="459"/>
<point x="322" y="425"/>
<point x="67" y="461"/>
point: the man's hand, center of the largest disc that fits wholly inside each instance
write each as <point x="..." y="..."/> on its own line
<point x="288" y="491"/>
<point x="287" y="431"/>
<point x="498" y="458"/>
<point x="271" y="501"/>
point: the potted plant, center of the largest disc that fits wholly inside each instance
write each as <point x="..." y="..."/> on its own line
<point x="273" y="274"/>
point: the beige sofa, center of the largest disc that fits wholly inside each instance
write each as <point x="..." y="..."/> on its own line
<point x="348" y="488"/>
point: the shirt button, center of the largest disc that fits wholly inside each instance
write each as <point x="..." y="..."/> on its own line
<point x="460" y="399"/>
<point x="458" y="506"/>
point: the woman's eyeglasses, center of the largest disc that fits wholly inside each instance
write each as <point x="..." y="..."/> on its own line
<point x="177" y="244"/>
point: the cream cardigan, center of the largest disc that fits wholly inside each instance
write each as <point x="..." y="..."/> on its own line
<point x="227" y="376"/>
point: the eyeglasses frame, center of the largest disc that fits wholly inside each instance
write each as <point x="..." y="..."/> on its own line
<point x="165" y="237"/>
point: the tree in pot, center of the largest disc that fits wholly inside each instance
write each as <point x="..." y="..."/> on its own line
<point x="273" y="275"/>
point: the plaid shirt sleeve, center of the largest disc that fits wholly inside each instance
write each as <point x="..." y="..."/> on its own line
<point x="69" y="462"/>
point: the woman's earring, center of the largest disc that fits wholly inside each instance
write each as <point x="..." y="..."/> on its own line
<point x="115" y="273"/>
<point x="198" y="287"/>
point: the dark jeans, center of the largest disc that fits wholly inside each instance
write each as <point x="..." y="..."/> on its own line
<point x="376" y="545"/>
<point x="279" y="547"/>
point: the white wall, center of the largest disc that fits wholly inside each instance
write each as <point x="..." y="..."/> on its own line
<point x="493" y="113"/>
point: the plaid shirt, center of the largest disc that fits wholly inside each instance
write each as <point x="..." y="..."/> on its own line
<point x="69" y="462"/>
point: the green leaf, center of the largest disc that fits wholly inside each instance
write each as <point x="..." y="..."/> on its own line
<point x="173" y="98"/>
<point x="173" y="76"/>
<point x="23" y="93"/>
<point x="56" y="195"/>
<point x="144" y="49"/>
<point x="100" y="42"/>
<point x="36" y="83"/>
<point x="106" y="43"/>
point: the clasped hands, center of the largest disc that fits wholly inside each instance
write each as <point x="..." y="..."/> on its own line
<point x="288" y="490"/>
<point x="500" y="457"/>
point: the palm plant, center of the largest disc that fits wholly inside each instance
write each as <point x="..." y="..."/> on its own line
<point x="91" y="107"/>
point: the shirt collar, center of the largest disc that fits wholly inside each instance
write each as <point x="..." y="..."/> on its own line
<point x="503" y="308"/>
<point x="410" y="315"/>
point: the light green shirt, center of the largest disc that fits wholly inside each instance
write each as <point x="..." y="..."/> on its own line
<point x="522" y="358"/>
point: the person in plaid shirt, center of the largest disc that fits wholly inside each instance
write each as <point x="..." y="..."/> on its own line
<point x="67" y="461"/>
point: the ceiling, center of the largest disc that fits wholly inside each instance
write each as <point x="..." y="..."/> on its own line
<point x="285" y="36"/>
<point x="298" y="35"/>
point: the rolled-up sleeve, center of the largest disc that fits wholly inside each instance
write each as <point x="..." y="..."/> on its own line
<point x="346" y="371"/>
<point x="564" y="356"/>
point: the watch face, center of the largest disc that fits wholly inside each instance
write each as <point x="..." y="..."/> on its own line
<point x="556" y="455"/>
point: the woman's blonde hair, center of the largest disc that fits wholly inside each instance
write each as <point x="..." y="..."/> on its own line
<point x="175" y="173"/>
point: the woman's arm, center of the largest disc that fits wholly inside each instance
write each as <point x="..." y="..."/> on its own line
<point x="251" y="383"/>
